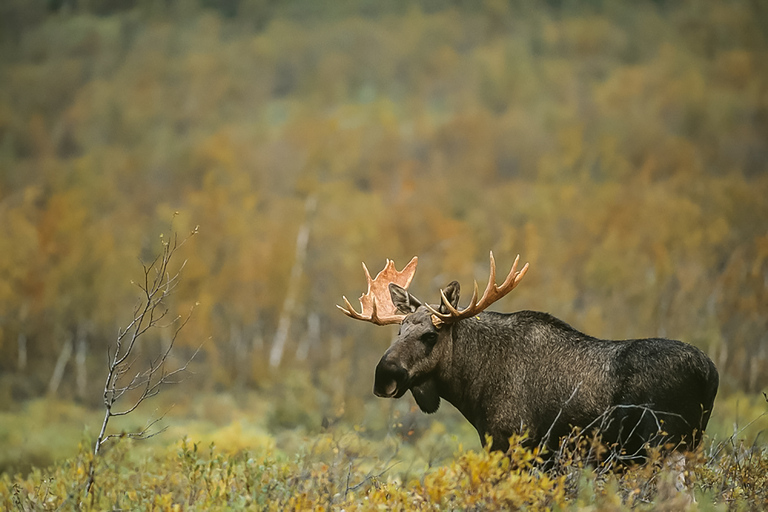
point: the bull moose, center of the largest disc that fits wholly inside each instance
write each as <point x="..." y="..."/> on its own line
<point x="528" y="372"/>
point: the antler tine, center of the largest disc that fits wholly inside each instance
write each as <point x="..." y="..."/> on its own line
<point x="376" y="304"/>
<point x="349" y="310"/>
<point x="491" y="294"/>
<point x="375" y="313"/>
<point x="453" y="311"/>
<point x="448" y="305"/>
<point x="474" y="294"/>
<point x="519" y="276"/>
<point x="515" y="276"/>
<point x="491" y="281"/>
<point x="435" y="312"/>
<point x="512" y="274"/>
<point x="495" y="292"/>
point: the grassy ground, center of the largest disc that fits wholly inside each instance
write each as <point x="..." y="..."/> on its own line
<point x="222" y="453"/>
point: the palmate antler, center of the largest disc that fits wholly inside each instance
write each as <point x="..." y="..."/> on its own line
<point x="377" y="306"/>
<point x="492" y="294"/>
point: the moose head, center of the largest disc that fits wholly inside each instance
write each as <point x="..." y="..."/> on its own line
<point x="424" y="340"/>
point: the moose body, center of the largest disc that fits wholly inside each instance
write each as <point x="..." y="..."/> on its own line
<point x="530" y="373"/>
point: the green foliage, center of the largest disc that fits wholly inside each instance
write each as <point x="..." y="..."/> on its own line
<point x="40" y="433"/>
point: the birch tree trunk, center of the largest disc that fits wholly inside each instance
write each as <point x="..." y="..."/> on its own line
<point x="81" y="353"/>
<point x="310" y="338"/>
<point x="58" y="370"/>
<point x="284" y="323"/>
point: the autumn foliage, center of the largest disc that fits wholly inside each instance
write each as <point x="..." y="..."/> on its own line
<point x="621" y="149"/>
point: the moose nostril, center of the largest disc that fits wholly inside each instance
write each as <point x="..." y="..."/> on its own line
<point x="391" y="367"/>
<point x="391" y="388"/>
<point x="390" y="370"/>
<point x="390" y="376"/>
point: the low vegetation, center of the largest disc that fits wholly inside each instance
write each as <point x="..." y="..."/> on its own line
<point x="236" y="462"/>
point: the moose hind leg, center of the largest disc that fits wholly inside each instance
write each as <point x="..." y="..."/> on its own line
<point x="630" y="429"/>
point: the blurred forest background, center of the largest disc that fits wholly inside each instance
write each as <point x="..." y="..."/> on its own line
<point x="620" y="147"/>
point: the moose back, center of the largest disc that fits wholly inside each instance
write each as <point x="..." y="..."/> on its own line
<point x="528" y="372"/>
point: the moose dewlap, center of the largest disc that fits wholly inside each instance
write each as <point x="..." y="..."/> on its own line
<point x="512" y="373"/>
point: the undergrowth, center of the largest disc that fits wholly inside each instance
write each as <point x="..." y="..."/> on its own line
<point x="396" y="461"/>
<point x="345" y="471"/>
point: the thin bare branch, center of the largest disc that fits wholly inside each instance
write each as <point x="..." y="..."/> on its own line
<point x="143" y="434"/>
<point x="148" y="314"/>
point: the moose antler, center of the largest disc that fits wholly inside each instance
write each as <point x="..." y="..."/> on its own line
<point x="492" y="294"/>
<point x="377" y="303"/>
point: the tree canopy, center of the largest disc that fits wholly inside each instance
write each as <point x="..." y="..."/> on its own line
<point x="621" y="149"/>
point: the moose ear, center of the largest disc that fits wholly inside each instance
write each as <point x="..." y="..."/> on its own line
<point x="426" y="396"/>
<point x="403" y="301"/>
<point x="452" y="294"/>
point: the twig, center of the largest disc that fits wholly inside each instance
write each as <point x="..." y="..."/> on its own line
<point x="368" y="477"/>
<point x="157" y="284"/>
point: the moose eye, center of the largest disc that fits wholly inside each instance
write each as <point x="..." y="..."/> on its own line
<point x="429" y="338"/>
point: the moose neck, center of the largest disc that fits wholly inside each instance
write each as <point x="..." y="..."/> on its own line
<point x="467" y="367"/>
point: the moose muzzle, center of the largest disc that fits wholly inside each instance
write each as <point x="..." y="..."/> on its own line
<point x="391" y="379"/>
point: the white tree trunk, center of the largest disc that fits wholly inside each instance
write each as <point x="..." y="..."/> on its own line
<point x="310" y="338"/>
<point x="81" y="353"/>
<point x="284" y="323"/>
<point x="58" y="370"/>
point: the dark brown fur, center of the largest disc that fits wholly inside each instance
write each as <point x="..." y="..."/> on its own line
<point x="530" y="372"/>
